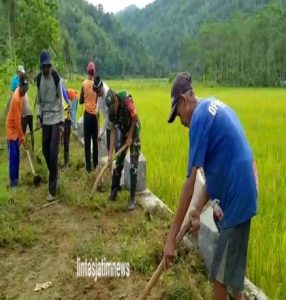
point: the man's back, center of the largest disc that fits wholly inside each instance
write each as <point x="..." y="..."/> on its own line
<point x="89" y="96"/>
<point x="50" y="100"/>
<point x="219" y="145"/>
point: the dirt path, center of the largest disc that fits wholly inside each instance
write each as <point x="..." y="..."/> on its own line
<point x="44" y="245"/>
<point x="61" y="231"/>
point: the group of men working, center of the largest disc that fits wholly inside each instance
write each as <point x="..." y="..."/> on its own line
<point x="121" y="125"/>
<point x="56" y="114"/>
<point x="218" y="145"/>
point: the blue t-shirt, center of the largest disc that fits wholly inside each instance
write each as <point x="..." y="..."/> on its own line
<point x="65" y="94"/>
<point x="218" y="144"/>
<point x="15" y="83"/>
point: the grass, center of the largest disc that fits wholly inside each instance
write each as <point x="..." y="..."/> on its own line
<point x="263" y="115"/>
<point x="262" y="112"/>
<point x="89" y="228"/>
<point x="84" y="227"/>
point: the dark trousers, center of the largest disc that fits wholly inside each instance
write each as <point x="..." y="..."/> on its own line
<point x="28" y="121"/>
<point x="90" y="128"/>
<point x="108" y="131"/>
<point x="14" y="161"/>
<point x="117" y="139"/>
<point x="67" y="132"/>
<point x="50" y="146"/>
<point x="134" y="159"/>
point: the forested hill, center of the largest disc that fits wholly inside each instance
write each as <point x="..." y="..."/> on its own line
<point x="165" y="24"/>
<point x="94" y="34"/>
<point x="233" y="42"/>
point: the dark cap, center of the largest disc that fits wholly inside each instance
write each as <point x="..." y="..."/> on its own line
<point x="45" y="58"/>
<point x="97" y="83"/>
<point x="23" y="78"/>
<point x="110" y="98"/>
<point x="182" y="84"/>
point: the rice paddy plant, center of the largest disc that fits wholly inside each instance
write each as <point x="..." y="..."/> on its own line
<point x="262" y="112"/>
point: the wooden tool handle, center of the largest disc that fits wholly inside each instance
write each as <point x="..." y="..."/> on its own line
<point x="30" y="161"/>
<point x="104" y="169"/>
<point x="156" y="275"/>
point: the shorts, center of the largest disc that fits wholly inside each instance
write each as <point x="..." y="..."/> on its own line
<point x="229" y="262"/>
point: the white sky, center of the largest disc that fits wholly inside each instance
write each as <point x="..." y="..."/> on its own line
<point x="117" y="5"/>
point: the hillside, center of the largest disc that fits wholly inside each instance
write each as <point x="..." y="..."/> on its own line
<point x="233" y="42"/>
<point x="165" y="24"/>
<point x="97" y="35"/>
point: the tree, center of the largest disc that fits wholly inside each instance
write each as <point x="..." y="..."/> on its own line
<point x="37" y="29"/>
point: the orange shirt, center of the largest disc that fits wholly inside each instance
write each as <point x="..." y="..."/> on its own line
<point x="72" y="94"/>
<point x="90" y="97"/>
<point x="14" y="118"/>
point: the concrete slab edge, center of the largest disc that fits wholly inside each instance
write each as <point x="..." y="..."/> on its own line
<point x="149" y="200"/>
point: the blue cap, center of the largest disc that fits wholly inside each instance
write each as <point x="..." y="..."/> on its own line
<point x="45" y="58"/>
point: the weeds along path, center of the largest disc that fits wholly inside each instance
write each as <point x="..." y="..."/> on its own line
<point x="44" y="245"/>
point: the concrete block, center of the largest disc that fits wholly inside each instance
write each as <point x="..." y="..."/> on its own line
<point x="80" y="128"/>
<point x="141" y="175"/>
<point x="208" y="233"/>
<point x="104" y="159"/>
<point x="102" y="148"/>
<point x="197" y="191"/>
<point x="208" y="237"/>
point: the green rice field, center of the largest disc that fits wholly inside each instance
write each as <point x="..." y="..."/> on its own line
<point x="262" y="112"/>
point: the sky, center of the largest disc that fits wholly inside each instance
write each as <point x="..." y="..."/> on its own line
<point x="117" y="5"/>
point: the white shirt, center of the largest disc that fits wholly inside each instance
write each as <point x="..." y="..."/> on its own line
<point x="103" y="109"/>
<point x="26" y="110"/>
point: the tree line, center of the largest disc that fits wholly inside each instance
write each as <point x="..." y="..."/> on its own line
<point x="238" y="42"/>
<point x="244" y="51"/>
<point x="75" y="32"/>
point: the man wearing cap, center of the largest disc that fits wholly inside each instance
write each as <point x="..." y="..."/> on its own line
<point x="218" y="145"/>
<point x="123" y="115"/>
<point x="50" y="116"/>
<point x="16" y="79"/>
<point x="14" y="132"/>
<point x="27" y="115"/>
<point x="101" y="89"/>
<point x="90" y="124"/>
<point x="14" y="84"/>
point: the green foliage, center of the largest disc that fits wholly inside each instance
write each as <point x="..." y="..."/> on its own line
<point x="262" y="112"/>
<point x="99" y="36"/>
<point x="30" y="27"/>
<point x="37" y="29"/>
<point x="234" y="43"/>
<point x="166" y="24"/>
<point x="244" y="51"/>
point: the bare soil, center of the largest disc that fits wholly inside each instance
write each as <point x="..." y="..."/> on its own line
<point x="43" y="245"/>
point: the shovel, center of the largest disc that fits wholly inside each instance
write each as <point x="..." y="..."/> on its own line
<point x="104" y="169"/>
<point x="37" y="178"/>
<point x="156" y="275"/>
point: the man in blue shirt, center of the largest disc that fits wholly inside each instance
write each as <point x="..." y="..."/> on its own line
<point x="15" y="80"/>
<point x="218" y="145"/>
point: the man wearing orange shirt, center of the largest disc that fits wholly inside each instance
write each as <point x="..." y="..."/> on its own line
<point x="14" y="132"/>
<point x="90" y="124"/>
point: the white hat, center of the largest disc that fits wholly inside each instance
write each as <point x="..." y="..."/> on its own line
<point x="21" y="69"/>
